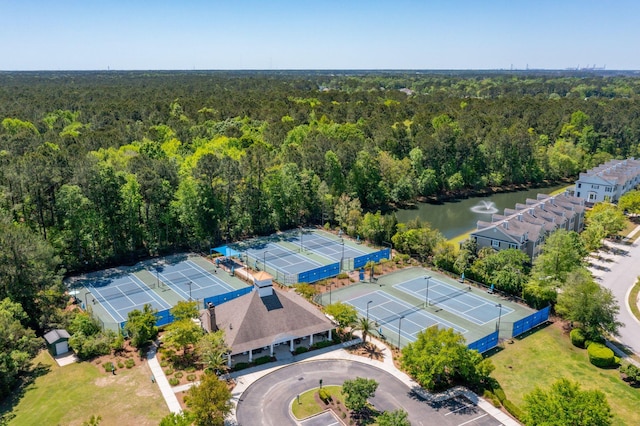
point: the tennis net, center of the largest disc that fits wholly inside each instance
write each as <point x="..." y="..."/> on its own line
<point x="449" y="296"/>
<point x="123" y="293"/>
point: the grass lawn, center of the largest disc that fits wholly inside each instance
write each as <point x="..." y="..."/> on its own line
<point x="547" y="355"/>
<point x="70" y="395"/>
<point x="308" y="405"/>
<point x="633" y="300"/>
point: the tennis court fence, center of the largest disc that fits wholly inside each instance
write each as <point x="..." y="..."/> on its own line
<point x="527" y="323"/>
<point x="361" y="261"/>
<point x="165" y="317"/>
<point x="485" y="343"/>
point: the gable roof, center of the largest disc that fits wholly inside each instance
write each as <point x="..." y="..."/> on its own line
<point x="251" y="322"/>
<point x="55" y="335"/>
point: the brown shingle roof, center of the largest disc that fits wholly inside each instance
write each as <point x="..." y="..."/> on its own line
<point x="251" y="322"/>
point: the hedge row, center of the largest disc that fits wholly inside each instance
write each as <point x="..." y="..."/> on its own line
<point x="632" y="372"/>
<point x="497" y="397"/>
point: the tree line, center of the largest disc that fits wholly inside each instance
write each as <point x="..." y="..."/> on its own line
<point x="107" y="167"/>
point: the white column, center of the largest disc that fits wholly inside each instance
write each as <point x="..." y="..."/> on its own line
<point x="329" y="334"/>
<point x="271" y="353"/>
<point x="291" y="345"/>
<point x="311" y="340"/>
<point x="229" y="360"/>
<point x="250" y="355"/>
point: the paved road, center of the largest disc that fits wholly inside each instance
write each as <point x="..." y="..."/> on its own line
<point x="266" y="401"/>
<point x="619" y="273"/>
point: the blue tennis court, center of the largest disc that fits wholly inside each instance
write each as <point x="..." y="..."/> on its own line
<point x="123" y="294"/>
<point x="190" y="281"/>
<point x="280" y="259"/>
<point x="332" y="249"/>
<point x="459" y="301"/>
<point x="387" y="311"/>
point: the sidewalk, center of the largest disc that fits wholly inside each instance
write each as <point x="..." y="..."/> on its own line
<point x="159" y="377"/>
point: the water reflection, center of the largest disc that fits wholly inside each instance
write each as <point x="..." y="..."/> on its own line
<point x="460" y="216"/>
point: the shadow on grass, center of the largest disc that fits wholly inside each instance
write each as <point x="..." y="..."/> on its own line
<point x="25" y="382"/>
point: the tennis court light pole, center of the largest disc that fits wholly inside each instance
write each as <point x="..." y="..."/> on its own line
<point x="342" y="256"/>
<point x="499" y="306"/>
<point x="426" y="295"/>
<point x="264" y="260"/>
<point x="368" y="303"/>
<point x="189" y="284"/>
<point x="399" y="328"/>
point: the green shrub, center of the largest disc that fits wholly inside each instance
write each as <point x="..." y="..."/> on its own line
<point x="168" y="371"/>
<point x="178" y="375"/>
<point x="323" y="344"/>
<point x="600" y="355"/>
<point x="499" y="392"/>
<point x="487" y="394"/>
<point x="174" y="382"/>
<point x="129" y="363"/>
<point x="343" y="275"/>
<point x="324" y="396"/>
<point x="512" y="409"/>
<point x="108" y="366"/>
<point x="163" y="363"/>
<point x="241" y="366"/>
<point x="578" y="338"/>
<point x="262" y="360"/>
<point x="190" y="369"/>
<point x="301" y="350"/>
<point x="191" y="377"/>
<point x="631" y="371"/>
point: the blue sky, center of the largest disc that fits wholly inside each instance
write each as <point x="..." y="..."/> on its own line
<point x="328" y="34"/>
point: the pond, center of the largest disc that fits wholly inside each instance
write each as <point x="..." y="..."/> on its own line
<point x="458" y="217"/>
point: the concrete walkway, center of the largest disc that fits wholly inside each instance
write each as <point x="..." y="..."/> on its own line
<point x="160" y="378"/>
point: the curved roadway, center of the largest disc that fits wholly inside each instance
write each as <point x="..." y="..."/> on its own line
<point x="622" y="271"/>
<point x="266" y="401"/>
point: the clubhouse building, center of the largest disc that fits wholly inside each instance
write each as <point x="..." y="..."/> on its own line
<point x="266" y="320"/>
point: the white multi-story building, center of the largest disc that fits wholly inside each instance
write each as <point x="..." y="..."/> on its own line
<point x="608" y="181"/>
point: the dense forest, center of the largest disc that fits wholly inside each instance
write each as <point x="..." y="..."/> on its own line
<point x="107" y="167"/>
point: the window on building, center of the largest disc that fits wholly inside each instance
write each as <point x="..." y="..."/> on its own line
<point x="607" y="189"/>
<point x="595" y="186"/>
<point x="512" y="246"/>
<point x="495" y="243"/>
<point x="579" y="185"/>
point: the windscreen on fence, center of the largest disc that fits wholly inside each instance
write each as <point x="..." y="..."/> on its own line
<point x="527" y="323"/>
<point x="225" y="297"/>
<point x="320" y="273"/>
<point x="360" y="261"/>
<point x="486" y="343"/>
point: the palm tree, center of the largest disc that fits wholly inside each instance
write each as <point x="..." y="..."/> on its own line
<point x="365" y="326"/>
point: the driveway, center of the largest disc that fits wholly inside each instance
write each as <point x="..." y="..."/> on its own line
<point x="618" y="269"/>
<point x="267" y="400"/>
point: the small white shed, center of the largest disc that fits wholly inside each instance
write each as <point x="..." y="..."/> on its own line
<point x="57" y="341"/>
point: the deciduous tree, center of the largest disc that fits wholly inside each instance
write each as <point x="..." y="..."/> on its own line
<point x="210" y="401"/>
<point x="586" y="302"/>
<point x="357" y="392"/>
<point x="566" y="404"/>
